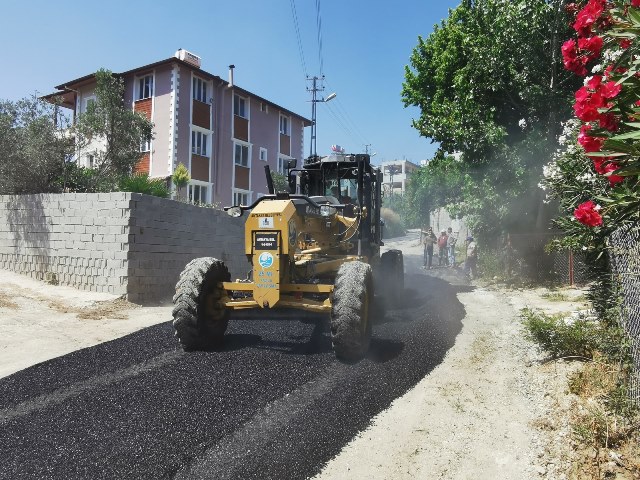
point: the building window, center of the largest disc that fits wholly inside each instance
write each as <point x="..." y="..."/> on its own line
<point x="145" y="87"/>
<point x="264" y="107"/>
<point x="240" y="197"/>
<point x="263" y="154"/>
<point x="240" y="106"/>
<point x="198" y="193"/>
<point x="90" y="161"/>
<point x="199" y="142"/>
<point x="241" y="155"/>
<point x="88" y="102"/>
<point x="199" y="90"/>
<point x="145" y="146"/>
<point x="284" y="125"/>
<point x="282" y="164"/>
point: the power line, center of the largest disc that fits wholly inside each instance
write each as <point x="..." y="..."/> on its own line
<point x="353" y="126"/>
<point x="319" y="27"/>
<point x="341" y="123"/>
<point x="297" y="29"/>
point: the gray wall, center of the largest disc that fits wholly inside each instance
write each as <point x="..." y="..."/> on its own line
<point x="121" y="243"/>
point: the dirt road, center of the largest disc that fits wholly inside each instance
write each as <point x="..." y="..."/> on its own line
<point x="477" y="415"/>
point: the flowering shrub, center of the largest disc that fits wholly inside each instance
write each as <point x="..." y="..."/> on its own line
<point x="608" y="104"/>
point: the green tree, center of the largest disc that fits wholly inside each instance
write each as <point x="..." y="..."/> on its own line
<point x="489" y="84"/>
<point x="111" y="132"/>
<point x="180" y="178"/>
<point x="33" y="146"/>
<point x="280" y="182"/>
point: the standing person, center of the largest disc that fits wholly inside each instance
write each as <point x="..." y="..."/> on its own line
<point x="442" y="249"/>
<point x="471" y="263"/>
<point x="451" y="247"/>
<point x="429" y="240"/>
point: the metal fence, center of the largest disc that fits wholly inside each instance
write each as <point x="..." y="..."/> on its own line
<point x="624" y="253"/>
<point x="532" y="261"/>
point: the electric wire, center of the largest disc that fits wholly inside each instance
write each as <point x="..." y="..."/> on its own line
<point x="319" y="27"/>
<point x="298" y="38"/>
<point x="344" y="112"/>
<point x="340" y="122"/>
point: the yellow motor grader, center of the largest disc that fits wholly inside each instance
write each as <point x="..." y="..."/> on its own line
<point x="314" y="248"/>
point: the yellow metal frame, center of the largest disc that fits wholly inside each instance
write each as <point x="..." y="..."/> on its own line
<point x="286" y="301"/>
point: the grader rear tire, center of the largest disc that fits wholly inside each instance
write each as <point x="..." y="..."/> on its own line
<point x="350" y="311"/>
<point x="198" y="318"/>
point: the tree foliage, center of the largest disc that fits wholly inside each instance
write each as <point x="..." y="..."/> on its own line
<point x="33" y="149"/>
<point x="110" y="131"/>
<point x="180" y="178"/>
<point x="490" y="85"/>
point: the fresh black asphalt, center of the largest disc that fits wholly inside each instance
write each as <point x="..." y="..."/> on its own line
<point x="273" y="404"/>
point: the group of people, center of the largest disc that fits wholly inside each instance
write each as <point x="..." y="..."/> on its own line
<point x="446" y="243"/>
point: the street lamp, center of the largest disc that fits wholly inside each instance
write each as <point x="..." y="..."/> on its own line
<point x="314" y="89"/>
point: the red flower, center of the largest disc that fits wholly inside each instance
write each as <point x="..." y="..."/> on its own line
<point x="589" y="143"/>
<point x="587" y="214"/>
<point x="635" y="3"/>
<point x="593" y="45"/>
<point x="571" y="60"/>
<point x="610" y="90"/>
<point x="592" y="97"/>
<point x="626" y="43"/>
<point x="588" y="16"/>
<point x="605" y="167"/>
<point x="587" y="105"/>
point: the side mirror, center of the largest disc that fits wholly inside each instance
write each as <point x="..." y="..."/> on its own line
<point x="291" y="164"/>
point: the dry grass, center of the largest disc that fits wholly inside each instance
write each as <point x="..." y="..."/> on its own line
<point x="556" y="297"/>
<point x="6" y="302"/>
<point x="114" y="309"/>
<point x="604" y="424"/>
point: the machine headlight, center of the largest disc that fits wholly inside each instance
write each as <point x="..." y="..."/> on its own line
<point x="234" y="212"/>
<point x="327" y="210"/>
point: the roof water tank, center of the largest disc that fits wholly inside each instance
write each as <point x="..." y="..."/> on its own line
<point x="188" y="57"/>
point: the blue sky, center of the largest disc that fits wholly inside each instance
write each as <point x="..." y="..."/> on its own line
<point x="364" y="48"/>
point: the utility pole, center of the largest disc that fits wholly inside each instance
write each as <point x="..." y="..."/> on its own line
<point x="315" y="88"/>
<point x="314" y="99"/>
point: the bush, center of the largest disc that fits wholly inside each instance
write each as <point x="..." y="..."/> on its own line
<point x="393" y="226"/>
<point x="141" y="183"/>
<point x="562" y="337"/>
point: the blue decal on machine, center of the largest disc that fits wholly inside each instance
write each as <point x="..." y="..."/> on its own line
<point x="265" y="259"/>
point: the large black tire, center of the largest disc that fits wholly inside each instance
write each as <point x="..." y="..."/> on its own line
<point x="392" y="277"/>
<point x="350" y="311"/>
<point x="198" y="318"/>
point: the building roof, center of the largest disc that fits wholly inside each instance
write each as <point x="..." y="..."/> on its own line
<point x="67" y="89"/>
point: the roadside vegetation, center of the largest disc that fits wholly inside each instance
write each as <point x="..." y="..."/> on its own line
<point x="538" y="143"/>
<point x="604" y="420"/>
<point x="39" y="145"/>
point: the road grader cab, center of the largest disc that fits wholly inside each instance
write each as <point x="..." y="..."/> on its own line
<point x="314" y="248"/>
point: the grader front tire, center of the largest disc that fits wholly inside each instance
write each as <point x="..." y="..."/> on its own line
<point x="350" y="311"/>
<point x="198" y="318"/>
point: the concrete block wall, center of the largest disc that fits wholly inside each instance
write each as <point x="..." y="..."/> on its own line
<point x="72" y="239"/>
<point x="122" y="243"/>
<point x="166" y="235"/>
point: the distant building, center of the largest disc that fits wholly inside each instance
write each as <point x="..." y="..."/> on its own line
<point x="222" y="133"/>
<point x="396" y="173"/>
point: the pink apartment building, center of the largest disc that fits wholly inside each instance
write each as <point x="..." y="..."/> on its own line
<point x="222" y="133"/>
